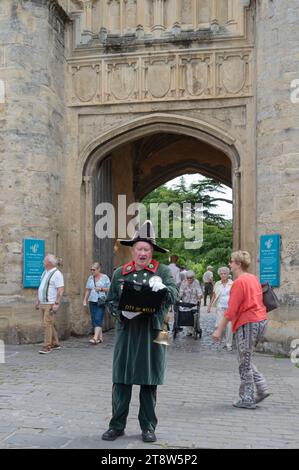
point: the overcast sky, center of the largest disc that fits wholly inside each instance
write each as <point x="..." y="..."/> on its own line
<point x="223" y="208"/>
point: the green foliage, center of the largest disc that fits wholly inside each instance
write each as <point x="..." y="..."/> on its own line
<point x="217" y="231"/>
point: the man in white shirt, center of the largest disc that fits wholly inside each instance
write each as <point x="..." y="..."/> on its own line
<point x="49" y="297"/>
<point x="175" y="270"/>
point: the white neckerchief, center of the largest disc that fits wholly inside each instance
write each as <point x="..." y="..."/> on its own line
<point x="130" y="315"/>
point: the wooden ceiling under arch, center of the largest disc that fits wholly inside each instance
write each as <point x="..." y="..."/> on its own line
<point x="161" y="157"/>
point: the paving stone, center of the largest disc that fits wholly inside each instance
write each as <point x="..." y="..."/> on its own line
<point x="63" y="400"/>
<point x="22" y="440"/>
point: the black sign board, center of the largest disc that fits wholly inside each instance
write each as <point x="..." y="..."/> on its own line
<point x="140" y="298"/>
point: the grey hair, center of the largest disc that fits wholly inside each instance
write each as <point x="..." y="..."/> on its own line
<point x="190" y="274"/>
<point x="96" y="265"/>
<point x="52" y="259"/>
<point x="224" y="269"/>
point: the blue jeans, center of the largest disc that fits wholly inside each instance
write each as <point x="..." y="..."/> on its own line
<point x="97" y="314"/>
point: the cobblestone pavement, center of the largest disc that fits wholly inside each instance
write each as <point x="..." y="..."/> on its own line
<point x="63" y="399"/>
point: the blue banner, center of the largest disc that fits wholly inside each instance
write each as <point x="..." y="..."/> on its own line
<point x="34" y="253"/>
<point x="270" y="259"/>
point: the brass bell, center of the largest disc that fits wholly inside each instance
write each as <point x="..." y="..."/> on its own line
<point x="163" y="337"/>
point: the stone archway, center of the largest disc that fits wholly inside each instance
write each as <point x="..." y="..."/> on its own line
<point x="155" y="131"/>
<point x="156" y="123"/>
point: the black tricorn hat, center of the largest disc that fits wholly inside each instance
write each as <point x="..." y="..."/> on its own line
<point x="145" y="233"/>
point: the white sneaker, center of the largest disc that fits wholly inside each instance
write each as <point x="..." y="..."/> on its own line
<point x="242" y="404"/>
<point x="262" y="397"/>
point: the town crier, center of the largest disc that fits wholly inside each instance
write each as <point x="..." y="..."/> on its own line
<point x="137" y="358"/>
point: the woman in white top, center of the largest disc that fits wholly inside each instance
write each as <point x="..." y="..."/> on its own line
<point x="220" y="298"/>
<point x="97" y="287"/>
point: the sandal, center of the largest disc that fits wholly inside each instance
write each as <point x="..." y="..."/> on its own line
<point x="94" y="341"/>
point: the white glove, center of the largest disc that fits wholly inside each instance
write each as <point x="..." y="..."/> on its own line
<point x="156" y="283"/>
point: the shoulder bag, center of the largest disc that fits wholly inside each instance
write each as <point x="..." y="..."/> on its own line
<point x="101" y="302"/>
<point x="270" y="299"/>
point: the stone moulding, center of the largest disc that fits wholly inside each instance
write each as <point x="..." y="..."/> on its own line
<point x="98" y="148"/>
<point x="172" y="123"/>
<point x="163" y="76"/>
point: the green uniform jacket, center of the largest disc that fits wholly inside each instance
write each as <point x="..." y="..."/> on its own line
<point x="137" y="359"/>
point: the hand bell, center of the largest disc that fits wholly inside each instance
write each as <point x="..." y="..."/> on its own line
<point x="163" y="337"/>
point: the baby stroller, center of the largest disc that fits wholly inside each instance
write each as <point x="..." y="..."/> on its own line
<point x="187" y="314"/>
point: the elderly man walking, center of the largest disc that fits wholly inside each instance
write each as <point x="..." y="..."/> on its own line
<point x="175" y="270"/>
<point x="49" y="296"/>
<point x="208" y="284"/>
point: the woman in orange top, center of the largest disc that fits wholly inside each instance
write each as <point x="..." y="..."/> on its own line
<point x="247" y="313"/>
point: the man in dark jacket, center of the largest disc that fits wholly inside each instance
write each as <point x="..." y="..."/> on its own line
<point x="137" y="358"/>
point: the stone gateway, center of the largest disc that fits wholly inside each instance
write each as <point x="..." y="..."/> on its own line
<point x="100" y="98"/>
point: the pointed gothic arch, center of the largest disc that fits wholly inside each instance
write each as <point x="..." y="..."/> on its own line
<point x="97" y="151"/>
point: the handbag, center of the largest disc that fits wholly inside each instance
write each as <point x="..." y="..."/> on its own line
<point x="270" y="299"/>
<point x="101" y="302"/>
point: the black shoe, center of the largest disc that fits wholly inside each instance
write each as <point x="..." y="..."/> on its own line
<point x="148" y="436"/>
<point x="112" y="434"/>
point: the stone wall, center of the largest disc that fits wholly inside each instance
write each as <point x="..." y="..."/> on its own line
<point x="100" y="100"/>
<point x="277" y="50"/>
<point x="59" y="100"/>
<point x="31" y="150"/>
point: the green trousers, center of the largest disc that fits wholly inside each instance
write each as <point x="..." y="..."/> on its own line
<point x="121" y="397"/>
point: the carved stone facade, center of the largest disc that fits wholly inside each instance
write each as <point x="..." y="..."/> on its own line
<point x="101" y="19"/>
<point x="168" y="76"/>
<point x="121" y="34"/>
<point x="119" y="96"/>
